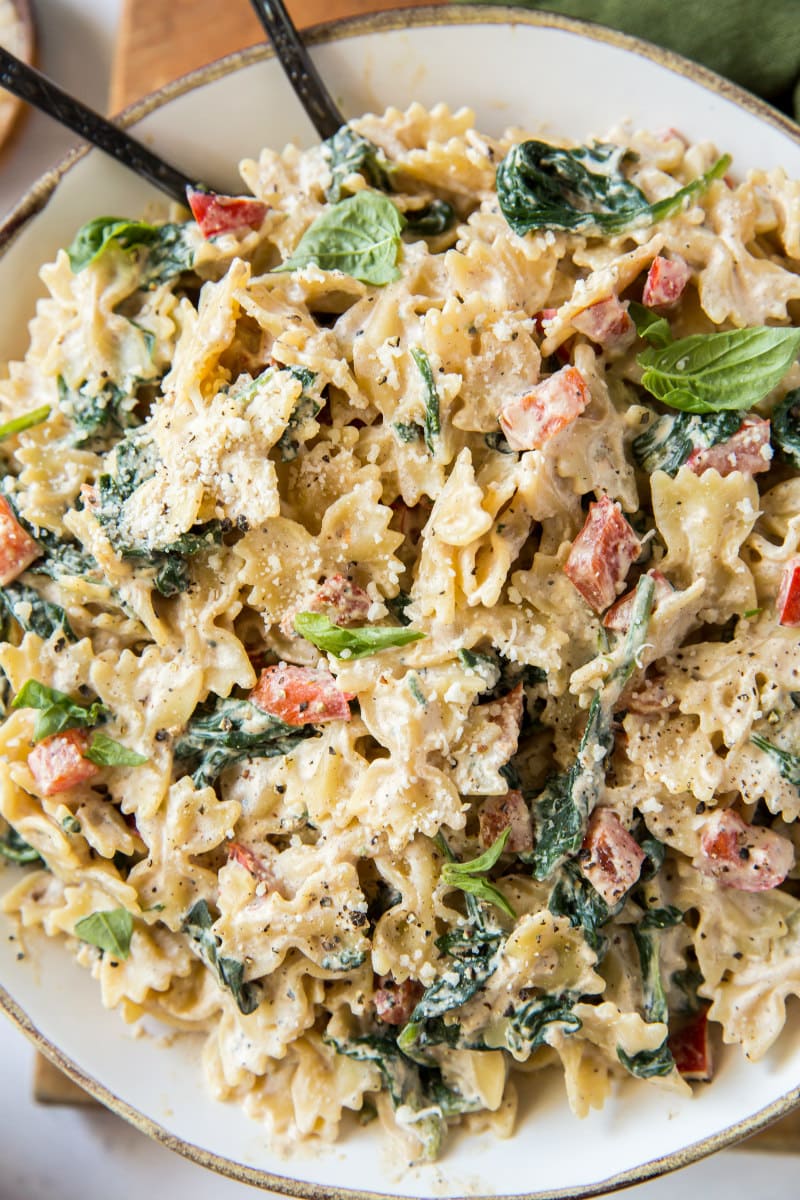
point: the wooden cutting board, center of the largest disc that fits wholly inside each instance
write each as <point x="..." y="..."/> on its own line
<point x="162" y="39"/>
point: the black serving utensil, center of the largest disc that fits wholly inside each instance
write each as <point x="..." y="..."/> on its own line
<point x="300" y="70"/>
<point x="29" y="84"/>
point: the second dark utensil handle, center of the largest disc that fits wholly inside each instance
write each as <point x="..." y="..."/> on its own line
<point x="29" y="84"/>
<point x="300" y="70"/>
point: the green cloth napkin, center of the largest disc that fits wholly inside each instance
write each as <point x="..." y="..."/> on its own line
<point x="756" y="43"/>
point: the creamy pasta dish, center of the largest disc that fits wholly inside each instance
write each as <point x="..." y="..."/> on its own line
<point x="400" y="600"/>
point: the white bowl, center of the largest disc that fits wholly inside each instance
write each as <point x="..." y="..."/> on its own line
<point x="512" y="67"/>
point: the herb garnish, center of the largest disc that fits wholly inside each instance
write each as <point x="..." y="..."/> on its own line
<point x="351" y="643"/>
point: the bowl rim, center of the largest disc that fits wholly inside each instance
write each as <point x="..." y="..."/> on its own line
<point x="478" y="12"/>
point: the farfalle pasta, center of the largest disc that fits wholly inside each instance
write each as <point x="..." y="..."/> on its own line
<point x="401" y="589"/>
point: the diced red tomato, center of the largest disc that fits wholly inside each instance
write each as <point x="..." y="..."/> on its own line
<point x="691" y="1048"/>
<point x="507" y="812"/>
<point x="530" y="420"/>
<point x="602" y="554"/>
<point x="748" y="451"/>
<point x="610" y="858"/>
<point x="618" y="616"/>
<point x="789" y="594"/>
<point x="217" y="214"/>
<point x="544" y="314"/>
<point x="607" y="322"/>
<point x="395" y="1002"/>
<point x="665" y="282"/>
<point x="749" y="858"/>
<point x="17" y="548"/>
<point x="300" y="695"/>
<point x="57" y="763"/>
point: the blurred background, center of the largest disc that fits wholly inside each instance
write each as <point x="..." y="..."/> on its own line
<point x="109" y="52"/>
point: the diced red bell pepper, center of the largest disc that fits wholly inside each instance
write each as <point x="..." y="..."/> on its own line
<point x="610" y="858"/>
<point x="248" y="859"/>
<point x="602" y="554"/>
<point x="789" y="594"/>
<point x="395" y="1002"/>
<point x="300" y="695"/>
<point x="665" y="282"/>
<point x="749" y="858"/>
<point x="507" y="812"/>
<point x="748" y="451"/>
<point x="57" y="763"/>
<point x="17" y="548"/>
<point x="607" y="322"/>
<point x="217" y="214"/>
<point x="530" y="420"/>
<point x="691" y="1048"/>
<point x="619" y="615"/>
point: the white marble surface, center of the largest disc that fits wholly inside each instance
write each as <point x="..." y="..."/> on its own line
<point x="89" y="1154"/>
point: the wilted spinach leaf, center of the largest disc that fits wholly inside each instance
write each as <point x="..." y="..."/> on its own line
<point x="229" y="971"/>
<point x="16" y="849"/>
<point x="229" y="731"/>
<point x="432" y="426"/>
<point x="668" y="441"/>
<point x="167" y="249"/>
<point x="351" y="154"/>
<point x="582" y="190"/>
<point x="432" y="219"/>
<point x="32" y="612"/>
<point x="788" y="764"/>
<point x="786" y="427"/>
<point x="108" y="412"/>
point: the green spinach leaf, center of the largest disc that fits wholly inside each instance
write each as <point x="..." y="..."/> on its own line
<point x="786" y="427"/>
<point x="229" y="971"/>
<point x="108" y="412"/>
<point x="167" y="250"/>
<point x="359" y="236"/>
<point x="582" y="190"/>
<point x="33" y="613"/>
<point x="574" y="897"/>
<point x="57" y="711"/>
<point x="351" y="643"/>
<point x="667" y="442"/>
<point x="110" y="931"/>
<point x="16" y="849"/>
<point x="562" y="809"/>
<point x="433" y="219"/>
<point x="525" y="1030"/>
<point x="649" y="1063"/>
<point x="348" y="153"/>
<point x="711" y="372"/>
<point x="229" y="731"/>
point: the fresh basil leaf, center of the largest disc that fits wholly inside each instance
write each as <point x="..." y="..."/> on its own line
<point x="788" y="764"/>
<point x="16" y="849"/>
<point x="582" y="190"/>
<point x="351" y="643"/>
<point x="484" y="862"/>
<point x="432" y="427"/>
<point x="110" y="931"/>
<point x="229" y="971"/>
<point x="348" y="153"/>
<point x="33" y="613"/>
<point x="711" y="372"/>
<point x="650" y="325"/>
<point x="482" y="889"/>
<point x="359" y="236"/>
<point x="786" y="427"/>
<point x="26" y="421"/>
<point x="57" y="711"/>
<point x="668" y="440"/>
<point x="104" y="751"/>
